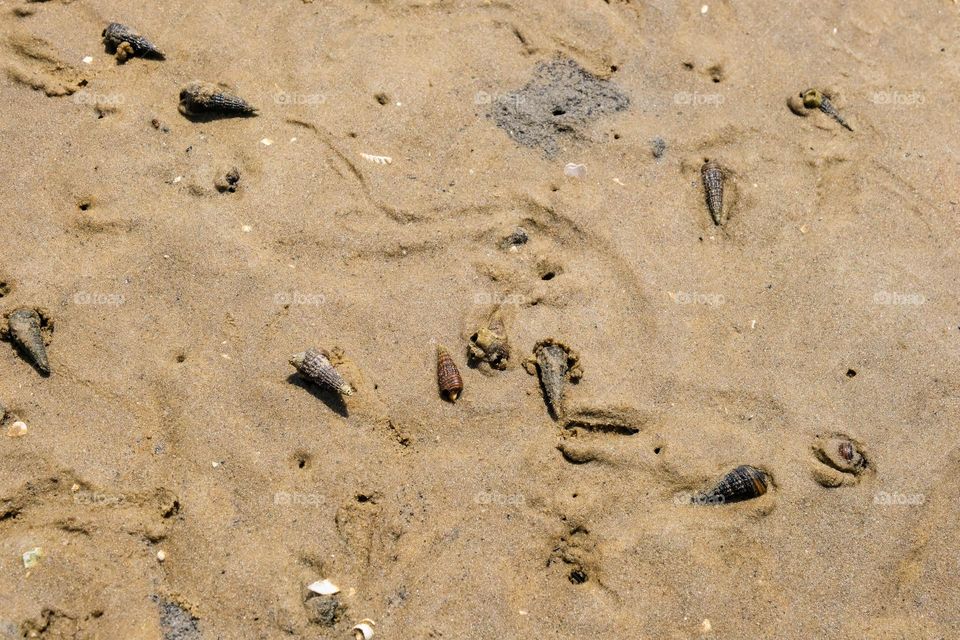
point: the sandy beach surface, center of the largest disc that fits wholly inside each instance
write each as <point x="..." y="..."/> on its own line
<point x="822" y="313"/>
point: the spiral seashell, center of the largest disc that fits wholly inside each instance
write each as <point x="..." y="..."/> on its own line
<point x="314" y="365"/>
<point x="815" y="99"/>
<point x="24" y="330"/>
<point x="199" y="98"/>
<point x="743" y="483"/>
<point x="489" y="344"/>
<point x="116" y="35"/>
<point x="363" y="630"/>
<point x="712" y="176"/>
<point x="448" y="377"/>
<point x="839" y="461"/>
<point x="557" y="364"/>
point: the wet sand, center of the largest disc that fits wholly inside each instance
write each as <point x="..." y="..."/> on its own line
<point x="825" y="305"/>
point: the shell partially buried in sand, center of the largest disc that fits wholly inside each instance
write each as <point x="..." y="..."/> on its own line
<point x="314" y="365"/>
<point x="838" y="461"/>
<point x="557" y="365"/>
<point x="742" y="483"/>
<point x="25" y="329"/>
<point x="490" y="344"/>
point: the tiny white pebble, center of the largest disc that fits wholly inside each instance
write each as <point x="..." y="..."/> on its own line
<point x="215" y="464"/>
<point x="177" y="179"/>
<point x="294" y="139"/>
<point x="399" y="104"/>
<point x="834" y="30"/>
<point x="704" y="9"/>
<point x="246" y="228"/>
<point x="706" y="626"/>
<point x="161" y="555"/>
<point x="266" y="142"/>
<point x="753" y="324"/>
<point x="87" y="59"/>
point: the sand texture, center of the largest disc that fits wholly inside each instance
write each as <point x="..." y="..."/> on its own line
<point x="371" y="208"/>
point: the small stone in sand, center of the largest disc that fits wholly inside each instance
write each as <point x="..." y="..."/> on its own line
<point x="659" y="147"/>
<point x="161" y="555"/>
<point x="32" y="557"/>
<point x="17" y="429"/>
<point x="575" y="170"/>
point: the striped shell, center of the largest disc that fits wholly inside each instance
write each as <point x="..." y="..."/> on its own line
<point x="448" y="377"/>
<point x="314" y="365"/>
<point x="199" y="98"/>
<point x="743" y="483"/>
<point x="713" y="185"/>
<point x="116" y="34"/>
<point x="24" y="331"/>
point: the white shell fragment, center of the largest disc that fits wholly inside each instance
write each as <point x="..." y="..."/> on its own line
<point x="32" y="557"/>
<point x="324" y="587"/>
<point x="17" y="429"/>
<point x="364" y="629"/>
<point x="575" y="170"/>
<point x="376" y="159"/>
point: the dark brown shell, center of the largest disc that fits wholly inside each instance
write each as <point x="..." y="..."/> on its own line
<point x="314" y="364"/>
<point x="24" y="331"/>
<point x="199" y="98"/>
<point x="448" y="376"/>
<point x="713" y="185"/>
<point x="743" y="483"/>
<point x="116" y="34"/>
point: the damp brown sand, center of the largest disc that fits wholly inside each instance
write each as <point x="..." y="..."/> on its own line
<point x="170" y="420"/>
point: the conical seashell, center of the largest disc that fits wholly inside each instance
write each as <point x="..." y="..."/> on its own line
<point x="489" y="344"/>
<point x="23" y="329"/>
<point x="556" y="363"/>
<point x="743" y="483"/>
<point x="117" y="34"/>
<point x="841" y="461"/>
<point x="814" y="99"/>
<point x="198" y="98"/>
<point x="314" y="364"/>
<point x="713" y="185"/>
<point x="448" y="377"/>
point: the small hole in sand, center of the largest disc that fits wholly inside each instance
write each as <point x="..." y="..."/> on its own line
<point x="361" y="498"/>
<point x="851" y="373"/>
<point x="549" y="275"/>
<point x="613" y="68"/>
<point x="578" y="576"/>
<point x="4" y="289"/>
<point x="657" y="450"/>
<point x="181" y="357"/>
<point x="302" y="460"/>
<point x="382" y="98"/>
<point x="616" y="136"/>
<point x="352" y="134"/>
<point x="559" y="112"/>
<point x="84" y="203"/>
<point x="554" y="187"/>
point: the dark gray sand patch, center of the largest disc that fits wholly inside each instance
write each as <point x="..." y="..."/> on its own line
<point x="176" y="622"/>
<point x="561" y="99"/>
